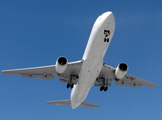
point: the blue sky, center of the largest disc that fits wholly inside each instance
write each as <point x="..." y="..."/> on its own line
<point x="35" y="33"/>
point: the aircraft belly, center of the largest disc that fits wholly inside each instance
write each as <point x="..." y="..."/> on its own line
<point x="87" y="77"/>
<point x="90" y="70"/>
<point x="92" y="60"/>
<point x="91" y="66"/>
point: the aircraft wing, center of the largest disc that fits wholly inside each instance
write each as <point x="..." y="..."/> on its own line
<point x="108" y="74"/>
<point x="46" y="72"/>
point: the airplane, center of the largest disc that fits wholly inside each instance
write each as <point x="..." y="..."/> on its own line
<point x="81" y="75"/>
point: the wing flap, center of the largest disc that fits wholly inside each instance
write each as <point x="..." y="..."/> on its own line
<point x="127" y="84"/>
<point x="39" y="76"/>
<point x="64" y="80"/>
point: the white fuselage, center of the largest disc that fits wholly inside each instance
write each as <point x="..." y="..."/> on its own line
<point x="93" y="57"/>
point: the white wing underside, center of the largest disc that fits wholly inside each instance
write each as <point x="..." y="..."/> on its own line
<point x="107" y="75"/>
<point x="45" y="72"/>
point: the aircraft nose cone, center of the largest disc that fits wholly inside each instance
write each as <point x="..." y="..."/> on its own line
<point x="106" y="14"/>
<point x="107" y="17"/>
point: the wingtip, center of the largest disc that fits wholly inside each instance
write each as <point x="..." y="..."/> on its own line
<point x="154" y="85"/>
<point x="3" y="71"/>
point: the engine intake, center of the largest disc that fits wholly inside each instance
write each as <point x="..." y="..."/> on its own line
<point x="121" y="70"/>
<point x="61" y="65"/>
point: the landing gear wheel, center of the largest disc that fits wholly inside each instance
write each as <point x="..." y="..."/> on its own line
<point x="68" y="85"/>
<point x="105" y="88"/>
<point x="101" y="88"/>
<point x="107" y="39"/>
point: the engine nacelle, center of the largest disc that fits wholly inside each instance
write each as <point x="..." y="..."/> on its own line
<point x="121" y="70"/>
<point x="61" y="65"/>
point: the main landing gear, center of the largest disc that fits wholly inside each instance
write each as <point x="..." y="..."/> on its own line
<point x="104" y="83"/>
<point x="71" y="83"/>
<point x="105" y="88"/>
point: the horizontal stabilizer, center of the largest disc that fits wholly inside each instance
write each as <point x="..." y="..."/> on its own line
<point x="86" y="104"/>
<point x="68" y="102"/>
<point x="61" y="102"/>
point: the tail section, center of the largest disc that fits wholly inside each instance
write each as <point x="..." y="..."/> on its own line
<point x="68" y="102"/>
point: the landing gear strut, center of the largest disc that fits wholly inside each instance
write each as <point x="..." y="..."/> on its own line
<point x="70" y="85"/>
<point x="104" y="82"/>
<point x="71" y="78"/>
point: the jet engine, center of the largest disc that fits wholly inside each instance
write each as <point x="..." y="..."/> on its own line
<point x="121" y="70"/>
<point x="61" y="65"/>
